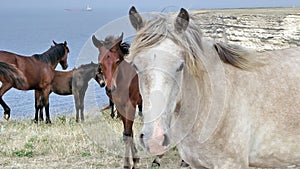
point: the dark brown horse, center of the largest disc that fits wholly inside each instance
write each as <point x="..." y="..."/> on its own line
<point x="37" y="71"/>
<point x="121" y="87"/>
<point x="75" y="82"/>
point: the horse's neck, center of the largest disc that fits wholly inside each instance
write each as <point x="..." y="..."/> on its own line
<point x="125" y="73"/>
<point x="86" y="74"/>
<point x="194" y="103"/>
<point x="47" y="57"/>
<point x="53" y="65"/>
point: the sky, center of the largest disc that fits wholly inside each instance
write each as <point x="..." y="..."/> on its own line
<point x="145" y="4"/>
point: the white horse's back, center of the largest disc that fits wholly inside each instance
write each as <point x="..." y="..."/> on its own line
<point x="271" y="96"/>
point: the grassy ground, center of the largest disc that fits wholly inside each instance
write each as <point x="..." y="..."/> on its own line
<point x="96" y="143"/>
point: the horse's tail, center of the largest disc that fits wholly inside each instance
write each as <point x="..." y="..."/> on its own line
<point x="10" y="74"/>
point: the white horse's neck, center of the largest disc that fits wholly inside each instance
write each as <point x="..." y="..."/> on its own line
<point x="203" y="96"/>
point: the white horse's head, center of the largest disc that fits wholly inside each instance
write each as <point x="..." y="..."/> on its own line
<point x="160" y="67"/>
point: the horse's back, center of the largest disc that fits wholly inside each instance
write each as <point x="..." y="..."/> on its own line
<point x="272" y="95"/>
<point x="8" y="57"/>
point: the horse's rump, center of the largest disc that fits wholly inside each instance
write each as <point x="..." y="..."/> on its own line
<point x="10" y="74"/>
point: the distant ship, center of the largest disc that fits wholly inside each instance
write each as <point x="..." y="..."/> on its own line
<point x="88" y="8"/>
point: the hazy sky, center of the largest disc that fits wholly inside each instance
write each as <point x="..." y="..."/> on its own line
<point x="145" y="4"/>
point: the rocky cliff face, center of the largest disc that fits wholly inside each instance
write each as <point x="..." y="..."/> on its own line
<point x="259" y="29"/>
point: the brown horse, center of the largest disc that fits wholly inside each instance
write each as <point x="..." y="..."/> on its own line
<point x="36" y="71"/>
<point x="121" y="87"/>
<point x="75" y="82"/>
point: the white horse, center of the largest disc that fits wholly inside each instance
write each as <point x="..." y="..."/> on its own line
<point x="223" y="106"/>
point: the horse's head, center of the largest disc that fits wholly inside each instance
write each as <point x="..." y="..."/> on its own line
<point x="110" y="56"/>
<point x="100" y="77"/>
<point x="160" y="65"/>
<point x="63" y="61"/>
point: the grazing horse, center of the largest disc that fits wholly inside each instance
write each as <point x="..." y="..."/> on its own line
<point x="37" y="72"/>
<point x="75" y="82"/>
<point x="222" y="105"/>
<point x="121" y="87"/>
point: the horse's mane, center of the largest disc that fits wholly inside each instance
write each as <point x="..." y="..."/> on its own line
<point x="51" y="55"/>
<point x="162" y="27"/>
<point x="83" y="66"/>
<point x="110" y="41"/>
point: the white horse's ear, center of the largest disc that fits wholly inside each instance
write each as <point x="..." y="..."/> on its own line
<point x="96" y="42"/>
<point x="182" y="20"/>
<point x="135" y="19"/>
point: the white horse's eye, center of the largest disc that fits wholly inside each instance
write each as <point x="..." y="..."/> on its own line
<point x="180" y="67"/>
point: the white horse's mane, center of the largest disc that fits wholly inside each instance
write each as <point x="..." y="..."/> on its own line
<point x="162" y="26"/>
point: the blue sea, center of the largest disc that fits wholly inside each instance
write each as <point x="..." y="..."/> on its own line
<point x="30" y="31"/>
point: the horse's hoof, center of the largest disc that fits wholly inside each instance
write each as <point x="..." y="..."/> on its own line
<point x="184" y="164"/>
<point x="6" y="116"/>
<point x="48" y="122"/>
<point x="155" y="164"/>
<point x="140" y="114"/>
<point x="112" y="116"/>
<point x="126" y="167"/>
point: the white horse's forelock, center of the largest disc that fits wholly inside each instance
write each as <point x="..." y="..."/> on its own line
<point x="162" y="27"/>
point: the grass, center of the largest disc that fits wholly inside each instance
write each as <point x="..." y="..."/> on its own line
<point x="97" y="143"/>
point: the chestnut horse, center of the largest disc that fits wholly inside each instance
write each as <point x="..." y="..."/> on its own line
<point x="121" y="87"/>
<point x="75" y="82"/>
<point x="37" y="72"/>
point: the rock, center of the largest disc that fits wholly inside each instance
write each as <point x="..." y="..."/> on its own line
<point x="260" y="29"/>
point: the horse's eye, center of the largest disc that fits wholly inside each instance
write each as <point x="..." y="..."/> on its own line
<point x="180" y="67"/>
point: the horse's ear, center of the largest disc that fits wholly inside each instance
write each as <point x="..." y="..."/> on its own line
<point x="182" y="20"/>
<point x="119" y="40"/>
<point x="135" y="18"/>
<point x="96" y="42"/>
<point x="54" y="42"/>
<point x="65" y="43"/>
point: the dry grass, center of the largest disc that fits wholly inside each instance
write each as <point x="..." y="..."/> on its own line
<point x="97" y="143"/>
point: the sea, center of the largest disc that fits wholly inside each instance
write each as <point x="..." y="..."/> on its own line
<point x="30" y="31"/>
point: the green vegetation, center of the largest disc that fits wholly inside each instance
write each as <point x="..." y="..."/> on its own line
<point x="67" y="144"/>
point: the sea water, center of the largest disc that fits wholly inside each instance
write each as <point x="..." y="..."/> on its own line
<point x="31" y="31"/>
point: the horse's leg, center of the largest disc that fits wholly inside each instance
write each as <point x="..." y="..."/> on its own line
<point x="127" y="138"/>
<point x="4" y="88"/>
<point x="140" y="110"/>
<point x="111" y="105"/>
<point x="45" y="101"/>
<point x="81" y="97"/>
<point x="130" y="114"/>
<point x="38" y="106"/>
<point x="134" y="151"/>
<point x="77" y="104"/>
